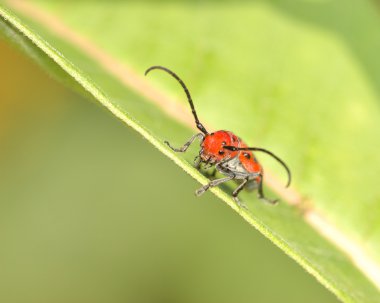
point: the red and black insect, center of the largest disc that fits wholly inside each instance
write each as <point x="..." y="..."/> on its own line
<point x="227" y="152"/>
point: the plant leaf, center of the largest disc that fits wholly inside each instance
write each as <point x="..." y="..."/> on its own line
<point x="289" y="78"/>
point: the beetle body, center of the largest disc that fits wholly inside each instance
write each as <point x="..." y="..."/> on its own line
<point x="241" y="163"/>
<point x="227" y="153"/>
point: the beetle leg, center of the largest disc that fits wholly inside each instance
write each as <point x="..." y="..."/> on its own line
<point x="261" y="193"/>
<point x="213" y="183"/>
<point x="183" y="148"/>
<point x="237" y="191"/>
<point x="197" y="161"/>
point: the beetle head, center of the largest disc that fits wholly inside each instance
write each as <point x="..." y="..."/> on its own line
<point x="213" y="150"/>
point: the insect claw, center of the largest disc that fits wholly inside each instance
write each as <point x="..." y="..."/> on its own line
<point x="240" y="204"/>
<point x="269" y="201"/>
<point x="201" y="191"/>
<point x="168" y="144"/>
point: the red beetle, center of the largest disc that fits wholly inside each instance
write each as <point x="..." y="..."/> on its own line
<point x="230" y="155"/>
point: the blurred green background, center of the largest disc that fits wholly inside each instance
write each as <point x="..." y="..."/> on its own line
<point x="85" y="214"/>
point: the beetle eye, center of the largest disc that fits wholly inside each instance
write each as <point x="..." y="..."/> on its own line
<point x="247" y="155"/>
<point x="224" y="143"/>
<point x="221" y="152"/>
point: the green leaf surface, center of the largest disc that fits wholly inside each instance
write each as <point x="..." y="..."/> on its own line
<point x="300" y="78"/>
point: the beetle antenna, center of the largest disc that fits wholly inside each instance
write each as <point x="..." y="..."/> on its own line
<point x="233" y="148"/>
<point x="174" y="75"/>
